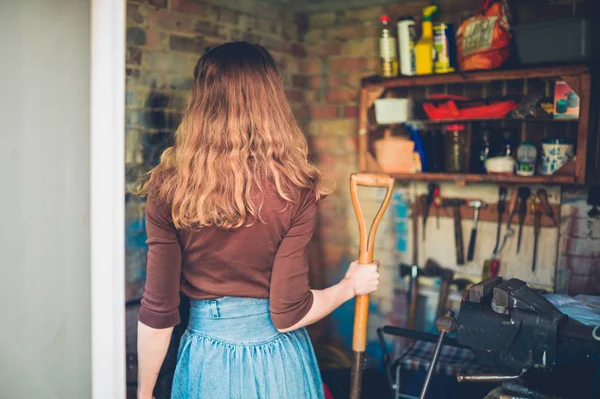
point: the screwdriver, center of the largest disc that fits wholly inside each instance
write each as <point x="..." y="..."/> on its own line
<point x="524" y="194"/>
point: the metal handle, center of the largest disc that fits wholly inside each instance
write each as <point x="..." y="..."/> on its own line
<point x="472" y="241"/>
<point x="458" y="238"/>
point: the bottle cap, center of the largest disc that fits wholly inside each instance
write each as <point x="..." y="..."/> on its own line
<point x="455" y="127"/>
<point x="384" y="18"/>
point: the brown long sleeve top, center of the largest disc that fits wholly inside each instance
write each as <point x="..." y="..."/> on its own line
<point x="267" y="259"/>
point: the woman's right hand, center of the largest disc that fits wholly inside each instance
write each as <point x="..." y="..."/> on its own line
<point x="362" y="279"/>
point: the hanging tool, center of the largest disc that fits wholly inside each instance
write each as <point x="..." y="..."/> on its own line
<point x="456" y="203"/>
<point x="510" y="231"/>
<point x="412" y="293"/>
<point x="542" y="196"/>
<point x="476" y="205"/>
<point x="524" y="194"/>
<point x="437" y="202"/>
<point x="446" y="276"/>
<point x="537" y="224"/>
<point x="365" y="256"/>
<point x="501" y="207"/>
<point x="427" y="202"/>
<point x="446" y="324"/>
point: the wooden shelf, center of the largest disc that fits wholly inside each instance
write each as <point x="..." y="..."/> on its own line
<point x="484" y="178"/>
<point x="510" y="120"/>
<point x="585" y="133"/>
<point x="476" y="76"/>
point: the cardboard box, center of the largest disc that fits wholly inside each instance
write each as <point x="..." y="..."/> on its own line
<point x="566" y="101"/>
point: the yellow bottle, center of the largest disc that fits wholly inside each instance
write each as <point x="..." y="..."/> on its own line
<point x="424" y="49"/>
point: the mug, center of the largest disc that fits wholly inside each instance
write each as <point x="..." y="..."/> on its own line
<point x="555" y="153"/>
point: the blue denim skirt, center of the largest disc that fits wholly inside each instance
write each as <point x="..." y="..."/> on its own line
<point x="231" y="350"/>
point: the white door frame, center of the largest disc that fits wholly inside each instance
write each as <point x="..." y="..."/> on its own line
<point x="108" y="198"/>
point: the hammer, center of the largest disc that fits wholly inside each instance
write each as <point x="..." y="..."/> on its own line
<point x="476" y="205"/>
<point x="456" y="203"/>
<point x="433" y="269"/>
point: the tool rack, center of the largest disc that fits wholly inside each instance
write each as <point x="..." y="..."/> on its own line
<point x="484" y="84"/>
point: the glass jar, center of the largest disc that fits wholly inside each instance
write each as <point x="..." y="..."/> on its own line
<point x="456" y="146"/>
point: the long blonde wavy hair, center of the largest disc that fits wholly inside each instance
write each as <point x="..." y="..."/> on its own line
<point x="237" y="132"/>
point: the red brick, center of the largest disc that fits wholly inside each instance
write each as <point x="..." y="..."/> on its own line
<point x="301" y="81"/>
<point x="310" y="96"/>
<point x="360" y="48"/>
<point x="204" y="10"/>
<point x="345" y="32"/>
<point x="300" y="112"/>
<point x="311" y="66"/>
<point x="371" y="31"/>
<point x="334" y="81"/>
<point x="323" y="111"/>
<point x="316" y="82"/>
<point x="210" y="29"/>
<point x="328" y="50"/>
<point x="170" y="21"/>
<point x="322" y="19"/>
<point x="353" y="80"/>
<point x="350" y="111"/>
<point x="347" y="64"/>
<point x="295" y="95"/>
<point x="341" y="95"/>
<point x="194" y="45"/>
<point x="227" y="16"/>
<point x="414" y="8"/>
<point x="323" y="144"/>
<point x="154" y="38"/>
<point x="299" y="50"/>
<point x="364" y="14"/>
<point x="351" y="143"/>
<point x="372" y="64"/>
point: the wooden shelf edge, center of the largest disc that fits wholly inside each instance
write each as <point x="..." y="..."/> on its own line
<point x="476" y="76"/>
<point x="484" y="178"/>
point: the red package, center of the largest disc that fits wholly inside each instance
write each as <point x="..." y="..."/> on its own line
<point x="484" y="40"/>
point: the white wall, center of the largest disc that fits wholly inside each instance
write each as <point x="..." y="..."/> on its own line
<point x="44" y="202"/>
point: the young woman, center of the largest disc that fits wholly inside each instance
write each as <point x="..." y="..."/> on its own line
<point x="230" y="212"/>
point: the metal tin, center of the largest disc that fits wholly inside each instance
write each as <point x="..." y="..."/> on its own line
<point x="443" y="44"/>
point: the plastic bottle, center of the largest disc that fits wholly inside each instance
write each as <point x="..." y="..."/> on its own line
<point x="420" y="158"/>
<point x="407" y="36"/>
<point x="424" y="53"/>
<point x="388" y="56"/>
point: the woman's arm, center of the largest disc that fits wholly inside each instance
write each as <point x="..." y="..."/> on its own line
<point x="360" y="280"/>
<point x="292" y="303"/>
<point x="160" y="303"/>
<point x="153" y="344"/>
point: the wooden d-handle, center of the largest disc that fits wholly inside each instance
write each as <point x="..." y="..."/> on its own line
<point x="365" y="254"/>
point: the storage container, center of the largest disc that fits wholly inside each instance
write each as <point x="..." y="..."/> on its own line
<point x="395" y="154"/>
<point x="456" y="145"/>
<point x="390" y="111"/>
<point x="566" y="40"/>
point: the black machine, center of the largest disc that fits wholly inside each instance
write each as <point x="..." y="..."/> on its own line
<point x="535" y="349"/>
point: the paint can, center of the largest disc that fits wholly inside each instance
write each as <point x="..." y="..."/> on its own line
<point x="444" y="48"/>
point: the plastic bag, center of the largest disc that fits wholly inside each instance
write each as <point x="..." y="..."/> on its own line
<point x="484" y="40"/>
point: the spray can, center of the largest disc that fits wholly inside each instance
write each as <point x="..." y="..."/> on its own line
<point x="443" y="44"/>
<point x="407" y="37"/>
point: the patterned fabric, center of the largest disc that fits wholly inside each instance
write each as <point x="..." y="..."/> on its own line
<point x="417" y="356"/>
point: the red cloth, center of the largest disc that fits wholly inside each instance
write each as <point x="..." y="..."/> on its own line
<point x="328" y="394"/>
